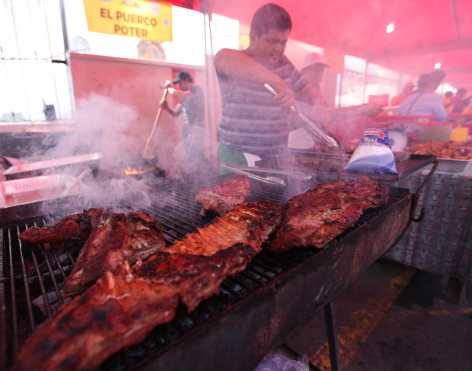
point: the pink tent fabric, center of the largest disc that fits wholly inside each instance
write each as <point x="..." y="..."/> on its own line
<point x="426" y="31"/>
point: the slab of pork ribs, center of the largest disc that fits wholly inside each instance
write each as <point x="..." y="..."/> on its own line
<point x="246" y="223"/>
<point x="73" y="227"/>
<point x="232" y="191"/>
<point x="123" y="306"/>
<point x="316" y="217"/>
<point x="119" y="237"/>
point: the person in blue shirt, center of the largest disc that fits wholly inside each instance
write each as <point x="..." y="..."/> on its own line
<point x="424" y="101"/>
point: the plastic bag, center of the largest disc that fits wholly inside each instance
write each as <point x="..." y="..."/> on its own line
<point x="280" y="362"/>
<point x="373" y="154"/>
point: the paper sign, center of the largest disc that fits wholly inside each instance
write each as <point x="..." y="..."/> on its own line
<point x="133" y="18"/>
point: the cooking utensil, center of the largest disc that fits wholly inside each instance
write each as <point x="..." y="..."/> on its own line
<point x="146" y="151"/>
<point x="268" y="180"/>
<point x="313" y="128"/>
<point x="260" y="170"/>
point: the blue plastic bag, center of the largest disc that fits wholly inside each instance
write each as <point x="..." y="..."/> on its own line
<point x="373" y="154"/>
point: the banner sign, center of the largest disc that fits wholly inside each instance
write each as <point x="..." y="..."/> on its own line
<point x="146" y="20"/>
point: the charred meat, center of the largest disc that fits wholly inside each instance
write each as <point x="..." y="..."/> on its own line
<point x="73" y="227"/>
<point x="124" y="306"/>
<point x="318" y="216"/>
<point x="247" y="224"/>
<point x="120" y="237"/>
<point x="234" y="190"/>
<point x="118" y="311"/>
<point x="194" y="277"/>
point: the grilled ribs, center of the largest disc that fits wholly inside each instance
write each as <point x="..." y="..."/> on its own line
<point x="249" y="224"/>
<point x="73" y="227"/>
<point x="195" y="277"/>
<point x="120" y="237"/>
<point x="118" y="311"/>
<point x="234" y="190"/>
<point x="318" y="216"/>
<point x="124" y="306"/>
<point x="450" y="150"/>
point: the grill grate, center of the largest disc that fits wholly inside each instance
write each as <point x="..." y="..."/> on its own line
<point x="34" y="279"/>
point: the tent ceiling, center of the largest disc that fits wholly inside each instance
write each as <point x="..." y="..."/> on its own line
<point x="426" y="31"/>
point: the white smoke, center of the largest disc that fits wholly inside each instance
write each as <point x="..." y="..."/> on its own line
<point x="101" y="126"/>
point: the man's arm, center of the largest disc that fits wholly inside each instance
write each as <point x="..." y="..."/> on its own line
<point x="173" y="111"/>
<point x="237" y="64"/>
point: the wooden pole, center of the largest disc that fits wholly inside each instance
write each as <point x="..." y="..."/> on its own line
<point x="146" y="152"/>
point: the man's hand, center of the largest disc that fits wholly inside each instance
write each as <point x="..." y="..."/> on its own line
<point x="285" y="96"/>
<point x="164" y="105"/>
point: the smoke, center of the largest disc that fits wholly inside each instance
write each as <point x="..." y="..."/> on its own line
<point x="101" y="126"/>
<point x="116" y="193"/>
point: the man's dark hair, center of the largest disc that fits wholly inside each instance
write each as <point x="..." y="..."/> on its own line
<point x="449" y="94"/>
<point x="183" y="76"/>
<point x="270" y="17"/>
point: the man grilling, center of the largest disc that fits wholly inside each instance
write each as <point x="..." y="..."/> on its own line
<point x="191" y="107"/>
<point x="253" y="120"/>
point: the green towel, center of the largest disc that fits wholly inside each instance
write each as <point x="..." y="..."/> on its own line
<point x="230" y="156"/>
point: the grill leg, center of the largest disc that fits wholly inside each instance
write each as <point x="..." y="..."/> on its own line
<point x="332" y="339"/>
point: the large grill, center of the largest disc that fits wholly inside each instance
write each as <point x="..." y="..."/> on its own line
<point x="231" y="330"/>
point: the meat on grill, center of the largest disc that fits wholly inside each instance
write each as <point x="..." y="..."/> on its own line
<point x="72" y="227"/>
<point x="234" y="190"/>
<point x="195" y="277"/>
<point x="248" y="224"/>
<point x="318" y="216"/>
<point x="449" y="150"/>
<point x="124" y="306"/>
<point x="119" y="237"/>
<point x="118" y="311"/>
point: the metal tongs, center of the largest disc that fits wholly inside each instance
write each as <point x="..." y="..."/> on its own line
<point x="317" y="133"/>
<point x="247" y="172"/>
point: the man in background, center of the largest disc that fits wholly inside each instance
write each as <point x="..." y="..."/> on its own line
<point x="314" y="106"/>
<point x="424" y="101"/>
<point x="313" y="71"/>
<point x="192" y="110"/>
<point x="459" y="102"/>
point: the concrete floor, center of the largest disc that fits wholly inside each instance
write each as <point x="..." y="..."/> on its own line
<point x="393" y="318"/>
